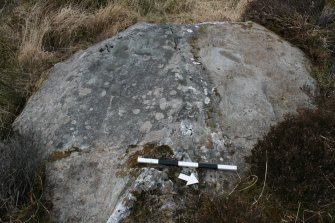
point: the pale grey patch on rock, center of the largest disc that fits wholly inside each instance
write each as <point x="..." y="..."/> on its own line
<point x="103" y="93"/>
<point x="207" y="100"/>
<point x="159" y="116"/>
<point x="173" y="92"/>
<point x="136" y="111"/>
<point x="121" y="112"/>
<point x="145" y="128"/>
<point x="84" y="91"/>
<point x="163" y="104"/>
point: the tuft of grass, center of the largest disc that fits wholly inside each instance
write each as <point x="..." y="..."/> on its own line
<point x="37" y="209"/>
<point x="72" y="25"/>
<point x="11" y="97"/>
<point x="21" y="180"/>
<point x="162" y="7"/>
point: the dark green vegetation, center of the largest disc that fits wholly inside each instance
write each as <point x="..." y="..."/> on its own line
<point x="301" y="157"/>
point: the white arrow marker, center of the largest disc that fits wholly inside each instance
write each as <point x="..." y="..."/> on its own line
<point x="190" y="179"/>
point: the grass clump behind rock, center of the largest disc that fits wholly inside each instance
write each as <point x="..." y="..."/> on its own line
<point x="21" y="180"/>
<point x="11" y="94"/>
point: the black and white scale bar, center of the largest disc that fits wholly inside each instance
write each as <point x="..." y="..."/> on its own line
<point x="186" y="164"/>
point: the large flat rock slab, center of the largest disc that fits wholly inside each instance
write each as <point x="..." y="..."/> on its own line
<point x="207" y="91"/>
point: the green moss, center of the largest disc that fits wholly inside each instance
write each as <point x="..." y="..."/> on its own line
<point x="57" y="155"/>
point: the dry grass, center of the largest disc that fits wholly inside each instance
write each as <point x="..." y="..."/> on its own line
<point x="10" y="72"/>
<point x="53" y="30"/>
<point x="50" y="35"/>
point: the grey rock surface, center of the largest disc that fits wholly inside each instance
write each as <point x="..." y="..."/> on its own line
<point x="208" y="91"/>
<point x="149" y="180"/>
